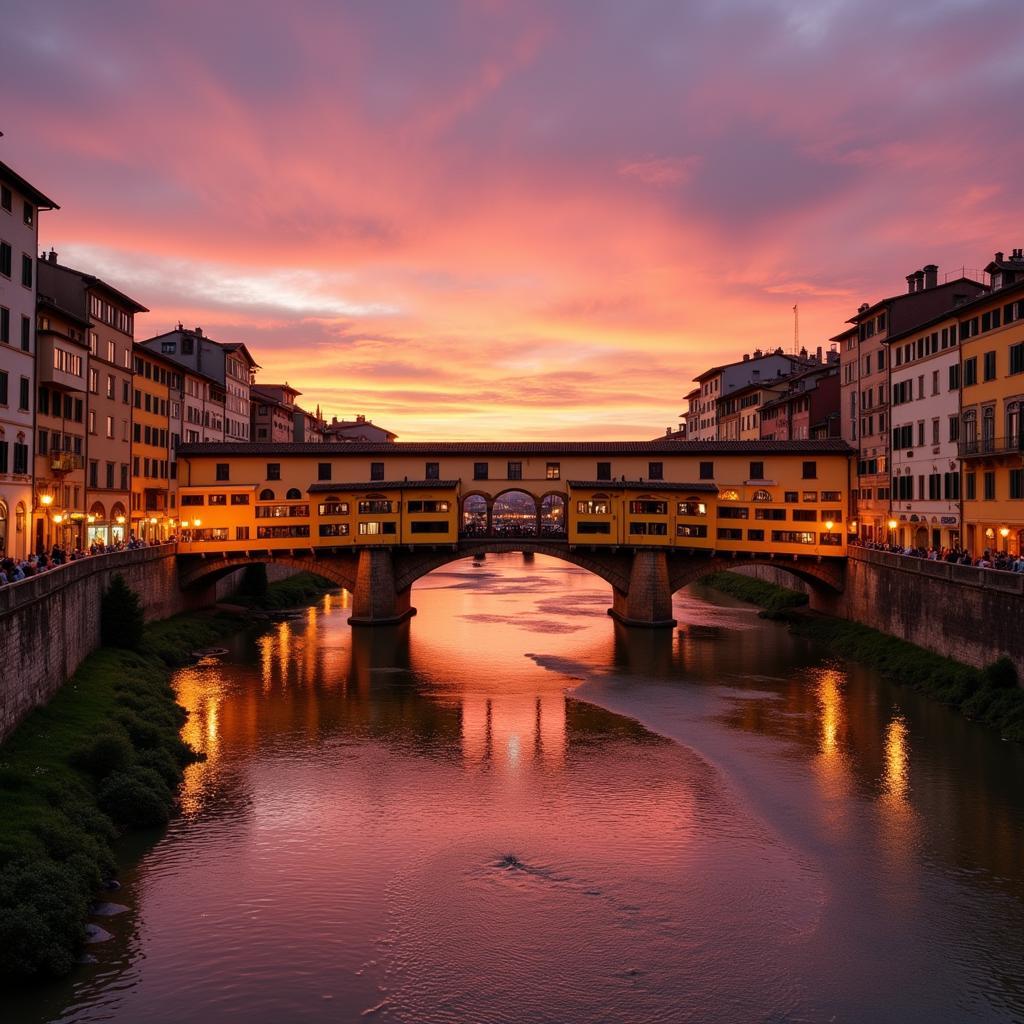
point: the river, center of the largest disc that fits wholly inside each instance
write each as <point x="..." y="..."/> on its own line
<point x="511" y="809"/>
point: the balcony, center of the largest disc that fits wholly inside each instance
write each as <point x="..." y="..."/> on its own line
<point x="983" y="447"/>
<point x="65" y="462"/>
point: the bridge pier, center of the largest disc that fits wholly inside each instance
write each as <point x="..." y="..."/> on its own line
<point x="376" y="601"/>
<point x="648" y="601"/>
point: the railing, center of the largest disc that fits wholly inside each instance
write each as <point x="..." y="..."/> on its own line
<point x="981" y="446"/>
<point x="970" y="575"/>
<point x="65" y="462"/>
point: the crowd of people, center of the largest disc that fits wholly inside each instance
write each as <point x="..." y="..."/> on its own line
<point x="14" y="569"/>
<point x="1001" y="560"/>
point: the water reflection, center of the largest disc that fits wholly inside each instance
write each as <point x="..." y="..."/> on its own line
<point x="426" y="823"/>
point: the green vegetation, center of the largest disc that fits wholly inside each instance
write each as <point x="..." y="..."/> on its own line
<point x="121" y="616"/>
<point x="990" y="695"/>
<point x="773" y="599"/>
<point x="102" y="757"/>
<point x="303" y="588"/>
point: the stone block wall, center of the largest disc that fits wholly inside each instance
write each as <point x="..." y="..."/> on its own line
<point x="50" y="623"/>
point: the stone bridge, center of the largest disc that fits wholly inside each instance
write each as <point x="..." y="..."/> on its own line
<point x="381" y="578"/>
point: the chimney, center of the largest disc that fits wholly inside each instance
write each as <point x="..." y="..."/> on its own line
<point x="198" y="332"/>
<point x="919" y="281"/>
<point x="819" y="354"/>
<point x="746" y="357"/>
<point x="51" y="257"/>
<point x="360" y="418"/>
<point x="999" y="257"/>
<point x="931" y="275"/>
<point x="911" y="284"/>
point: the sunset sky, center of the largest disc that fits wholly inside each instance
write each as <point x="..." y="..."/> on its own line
<point x="515" y="219"/>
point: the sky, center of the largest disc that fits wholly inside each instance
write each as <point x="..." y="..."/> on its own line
<point x="518" y="219"/>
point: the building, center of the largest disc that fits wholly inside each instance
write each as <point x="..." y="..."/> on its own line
<point x="158" y="384"/>
<point x="807" y="407"/>
<point x="62" y="358"/>
<point x="720" y="382"/>
<point x="111" y="317"/>
<point x="358" y="430"/>
<point x="273" y="412"/>
<point x="864" y="387"/>
<point x="202" y="408"/>
<point x="924" y="378"/>
<point x="20" y="205"/>
<point x="739" y="414"/>
<point x="309" y="427"/>
<point x="228" y="366"/>
<point x="991" y="332"/>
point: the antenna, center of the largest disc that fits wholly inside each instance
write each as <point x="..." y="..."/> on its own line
<point x="796" y="329"/>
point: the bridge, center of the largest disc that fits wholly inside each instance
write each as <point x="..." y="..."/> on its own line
<point x="647" y="517"/>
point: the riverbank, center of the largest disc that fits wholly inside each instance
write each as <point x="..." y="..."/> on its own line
<point x="990" y="695"/>
<point x="301" y="589"/>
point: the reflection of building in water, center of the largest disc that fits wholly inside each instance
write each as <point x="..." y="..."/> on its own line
<point x="513" y="730"/>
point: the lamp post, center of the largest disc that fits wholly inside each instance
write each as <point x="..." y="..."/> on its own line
<point x="892" y="531"/>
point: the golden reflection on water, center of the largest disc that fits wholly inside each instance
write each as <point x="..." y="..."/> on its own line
<point x="201" y="691"/>
<point x="894" y="781"/>
<point x="514" y="730"/>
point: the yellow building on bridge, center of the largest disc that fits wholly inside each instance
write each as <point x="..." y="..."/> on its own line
<point x="755" y="497"/>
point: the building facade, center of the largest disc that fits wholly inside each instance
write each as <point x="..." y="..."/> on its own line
<point x="20" y="204"/>
<point x="358" y="430"/>
<point x="273" y="412"/>
<point x="157" y="384"/>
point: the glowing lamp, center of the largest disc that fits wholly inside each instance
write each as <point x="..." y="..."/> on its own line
<point x="990" y="532"/>
<point x="152" y="520"/>
<point x="91" y="518"/>
<point x="829" y="524"/>
<point x="196" y="522"/>
<point x="58" y="519"/>
<point x="1004" y="532"/>
<point x="47" y="500"/>
<point x="893" y="524"/>
<point x="120" y="520"/>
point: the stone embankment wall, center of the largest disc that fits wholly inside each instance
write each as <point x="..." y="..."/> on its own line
<point x="50" y="623"/>
<point x="958" y="611"/>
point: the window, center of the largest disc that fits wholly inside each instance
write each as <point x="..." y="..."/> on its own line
<point x="273" y="470"/>
<point x="5" y="325"/>
<point x="1017" y="358"/>
<point x="28" y="213"/>
<point x="334" y="529"/>
<point x="729" y="533"/>
<point x="223" y="471"/>
<point x="733" y="512"/>
<point x="26" y="345"/>
<point x="604" y="471"/>
<point x="5" y="259"/>
<point x="428" y="526"/>
<point x="810" y="471"/>
<point x="648" y="507"/>
<point x="989" y="367"/>
<point x="332" y="506"/>
<point x="593" y="527"/>
<point x="110" y="426"/>
<point x="642" y="528"/>
<point x="691" y="507"/>
<point x="266" y="494"/>
<point x="515" y="471"/>
<point x="428" y="505"/>
<point x="279" y="532"/>
<point x="479" y="470"/>
<point x="809" y="496"/>
<point x="20" y="458"/>
<point x="791" y="497"/>
<point x="792" y="537"/>
<point x="23" y="393"/>
<point x="970" y="486"/>
<point x="371" y="505"/>
<point x="282" y="511"/>
<point x="989" y="483"/>
<point x="1017" y="483"/>
<point x="323" y="471"/>
<point x="757" y="472"/>
<point x="218" y="499"/>
<point x="554" y="470"/>
<point x="432" y="471"/>
<point x="239" y="499"/>
<point x="805" y="515"/>
<point x="755" y="534"/>
<point x="954" y="377"/>
<point x="6" y="199"/>
<point x="655" y="471"/>
<point x="831" y="496"/>
<point x="691" y="530"/>
<point x="26" y="270"/>
<point x="188" y="500"/>
<point x="374" y="528"/>
<point x="770" y="513"/>
<point x="970" y="371"/>
<point x="707" y="471"/>
<point x="294" y="494"/>
<point x="592" y="507"/>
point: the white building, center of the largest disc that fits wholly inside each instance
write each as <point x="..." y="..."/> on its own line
<point x="20" y="203"/>
<point x="924" y="379"/>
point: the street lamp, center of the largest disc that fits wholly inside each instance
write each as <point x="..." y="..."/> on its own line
<point x="46" y="500"/>
<point x="828" y="525"/>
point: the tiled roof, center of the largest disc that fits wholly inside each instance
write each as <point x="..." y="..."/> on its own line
<point x="339" y="486"/>
<point x="644" y="485"/>
<point x="396" y="449"/>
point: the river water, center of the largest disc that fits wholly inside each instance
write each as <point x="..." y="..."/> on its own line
<point x="512" y="809"/>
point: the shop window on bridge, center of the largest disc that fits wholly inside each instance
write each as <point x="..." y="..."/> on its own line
<point x="427" y="505"/>
<point x="281" y="532"/>
<point x="691" y="530"/>
<point x="372" y="506"/>
<point x="831" y="515"/>
<point x="375" y="528"/>
<point x="596" y="506"/>
<point x="791" y="497"/>
<point x="648" y="507"/>
<point x="267" y="494"/>
<point x="729" y="533"/>
<point x="293" y="494"/>
<point x="792" y="537"/>
<point x="733" y="512"/>
<point x="241" y="533"/>
<point x="809" y="496"/>
<point x="333" y="506"/>
<point x="282" y="511"/>
<point x="648" y="529"/>
<point x="757" y="535"/>
<point x="831" y="539"/>
<point x="192" y="499"/>
<point x="239" y="499"/>
<point x="805" y="515"/>
<point x="729" y="495"/>
<point x="210" y="533"/>
<point x="428" y="526"/>
<point x="593" y="528"/>
<point x="692" y="507"/>
<point x="218" y="499"/>
<point x="762" y="495"/>
<point x="333" y="529"/>
<point x="831" y="496"/>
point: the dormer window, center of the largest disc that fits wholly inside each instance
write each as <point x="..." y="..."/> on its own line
<point x="997" y="279"/>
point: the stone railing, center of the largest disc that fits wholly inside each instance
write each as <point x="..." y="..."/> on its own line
<point x="968" y="575"/>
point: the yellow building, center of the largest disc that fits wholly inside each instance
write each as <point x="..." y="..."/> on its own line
<point x="765" y="497"/>
<point x="991" y="331"/>
<point x="153" y="512"/>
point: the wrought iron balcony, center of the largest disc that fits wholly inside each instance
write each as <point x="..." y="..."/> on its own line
<point x="980" y="447"/>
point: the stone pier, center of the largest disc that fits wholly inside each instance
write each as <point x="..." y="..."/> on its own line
<point x="648" y="601"/>
<point x="376" y="601"/>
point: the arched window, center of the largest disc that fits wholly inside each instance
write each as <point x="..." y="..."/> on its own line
<point x="294" y="494"/>
<point x="266" y="494"/>
<point x="729" y="496"/>
<point x="762" y="496"/>
<point x="692" y="507"/>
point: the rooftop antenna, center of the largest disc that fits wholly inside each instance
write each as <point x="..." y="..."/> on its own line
<point x="796" y="329"/>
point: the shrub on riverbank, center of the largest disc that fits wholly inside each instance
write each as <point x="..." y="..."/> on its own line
<point x="773" y="599"/>
<point x="991" y="695"/>
<point x="103" y="756"/>
<point x="300" y="589"/>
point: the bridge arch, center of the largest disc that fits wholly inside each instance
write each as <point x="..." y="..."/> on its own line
<point x="196" y="572"/>
<point x="820" y="574"/>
